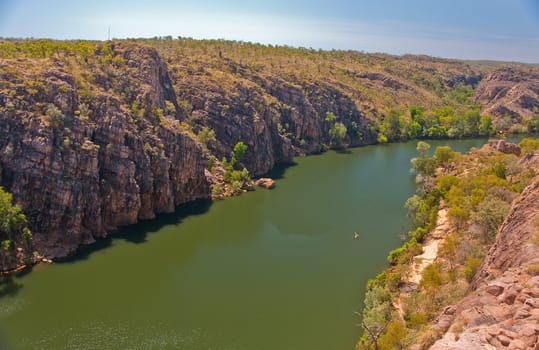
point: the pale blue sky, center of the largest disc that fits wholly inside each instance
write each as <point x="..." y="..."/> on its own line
<point x="469" y="29"/>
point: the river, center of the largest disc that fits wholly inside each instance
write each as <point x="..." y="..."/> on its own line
<point x="275" y="269"/>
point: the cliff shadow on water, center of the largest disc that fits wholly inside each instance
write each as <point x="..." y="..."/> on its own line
<point x="9" y="286"/>
<point x="279" y="170"/>
<point x="138" y="233"/>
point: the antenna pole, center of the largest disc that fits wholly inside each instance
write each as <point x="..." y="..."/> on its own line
<point x="109" y="34"/>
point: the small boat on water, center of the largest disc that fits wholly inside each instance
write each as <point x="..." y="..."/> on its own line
<point x="356" y="235"/>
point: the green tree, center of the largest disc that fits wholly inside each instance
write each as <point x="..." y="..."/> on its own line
<point x="471" y="122"/>
<point x="13" y="226"/>
<point x="217" y="190"/>
<point x="12" y="220"/>
<point x="486" y="127"/>
<point x="533" y="124"/>
<point x="528" y="145"/>
<point x="414" y="130"/>
<point x="337" y="133"/>
<point x="205" y="136"/>
<point x="392" y="126"/>
<point x="417" y="113"/>
<point x="54" y="115"/>
<point x="381" y="138"/>
<point x="394" y="336"/>
<point x="449" y="250"/>
<point x="437" y="132"/>
<point x="458" y="216"/>
<point x="239" y="151"/>
<point x="489" y="215"/>
<point x="471" y="265"/>
<point x="443" y="154"/>
<point x="419" y="210"/>
<point x="376" y="315"/>
<point x="499" y="170"/>
<point x="431" y="278"/>
<point x="423" y="149"/>
<point x="330" y="117"/>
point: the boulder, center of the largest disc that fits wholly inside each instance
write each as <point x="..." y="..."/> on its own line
<point x="505" y="147"/>
<point x="265" y="182"/>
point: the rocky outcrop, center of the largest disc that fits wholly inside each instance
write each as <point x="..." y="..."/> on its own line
<point x="509" y="91"/>
<point x="502" y="312"/>
<point x="90" y="142"/>
<point x="94" y="136"/>
<point x="265" y="182"/>
<point x="276" y="119"/>
<point x="78" y="160"/>
<point x="504" y="147"/>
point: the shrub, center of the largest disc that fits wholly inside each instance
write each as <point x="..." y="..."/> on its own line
<point x="489" y="214"/>
<point x="394" y="255"/>
<point x="416" y="319"/>
<point x="533" y="124"/>
<point x="419" y="234"/>
<point x="535" y="239"/>
<point x="393" y="337"/>
<point x="337" y="133"/>
<point x="423" y="149"/>
<point x="13" y="228"/>
<point x="118" y="61"/>
<point x="533" y="269"/>
<point x="236" y="187"/>
<point x="239" y="151"/>
<point x="205" y="136"/>
<point x="381" y="138"/>
<point x="54" y="116"/>
<point x="443" y="155"/>
<point x="376" y="314"/>
<point x="217" y="190"/>
<point x="431" y="278"/>
<point x="458" y="216"/>
<point x="528" y="145"/>
<point x="244" y="175"/>
<point x="499" y="170"/>
<point x="330" y="117"/>
<point x="471" y="266"/>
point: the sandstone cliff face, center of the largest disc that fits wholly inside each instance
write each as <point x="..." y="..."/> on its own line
<point x="101" y="135"/>
<point x="93" y="142"/>
<point x="77" y="160"/>
<point x="509" y="91"/>
<point x="277" y="119"/>
<point x="502" y="311"/>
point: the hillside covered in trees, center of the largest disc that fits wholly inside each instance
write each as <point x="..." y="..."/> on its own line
<point x="97" y="135"/>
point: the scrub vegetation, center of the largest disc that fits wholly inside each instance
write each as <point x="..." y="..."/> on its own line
<point x="476" y="189"/>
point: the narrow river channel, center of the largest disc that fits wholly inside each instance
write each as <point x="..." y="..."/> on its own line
<point x="267" y="270"/>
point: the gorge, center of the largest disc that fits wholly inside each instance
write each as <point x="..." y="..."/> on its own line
<point x="96" y="136"/>
<point x="265" y="270"/>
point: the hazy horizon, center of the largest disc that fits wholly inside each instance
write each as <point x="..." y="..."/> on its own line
<point x="500" y="30"/>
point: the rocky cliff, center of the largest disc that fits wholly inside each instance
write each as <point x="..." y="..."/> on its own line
<point x="79" y="161"/>
<point x="502" y="311"/>
<point x="511" y="91"/>
<point x="94" y="135"/>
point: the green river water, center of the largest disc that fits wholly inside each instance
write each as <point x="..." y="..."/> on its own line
<point x="267" y="270"/>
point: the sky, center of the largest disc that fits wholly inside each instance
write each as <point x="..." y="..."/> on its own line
<point x="468" y="29"/>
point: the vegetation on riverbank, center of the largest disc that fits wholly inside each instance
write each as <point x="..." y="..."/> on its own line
<point x="123" y="130"/>
<point x="476" y="189"/>
<point x="15" y="236"/>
